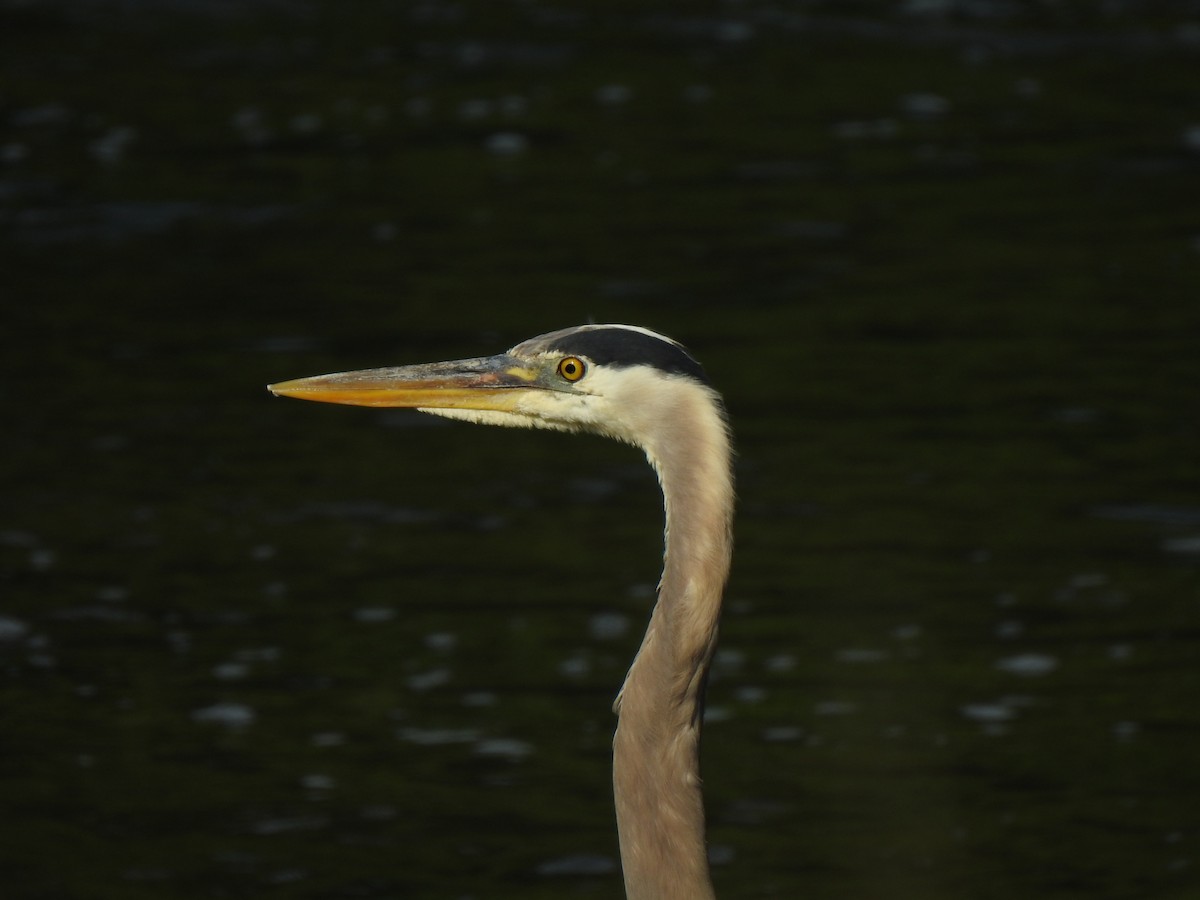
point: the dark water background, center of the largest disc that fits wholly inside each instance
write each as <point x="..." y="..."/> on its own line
<point x="943" y="258"/>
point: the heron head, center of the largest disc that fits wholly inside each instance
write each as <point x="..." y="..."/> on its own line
<point x="616" y="380"/>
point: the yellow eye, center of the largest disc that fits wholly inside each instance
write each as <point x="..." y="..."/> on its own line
<point x="571" y="368"/>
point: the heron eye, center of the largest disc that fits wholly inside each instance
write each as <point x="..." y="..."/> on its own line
<point x="571" y="368"/>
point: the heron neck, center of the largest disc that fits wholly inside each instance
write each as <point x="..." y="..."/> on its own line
<point x="660" y="812"/>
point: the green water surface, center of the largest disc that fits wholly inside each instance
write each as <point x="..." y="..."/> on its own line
<point x="943" y="261"/>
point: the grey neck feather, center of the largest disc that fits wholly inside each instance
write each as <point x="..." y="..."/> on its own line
<point x="656" y="779"/>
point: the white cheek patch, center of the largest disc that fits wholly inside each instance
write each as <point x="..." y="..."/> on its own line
<point x="636" y="405"/>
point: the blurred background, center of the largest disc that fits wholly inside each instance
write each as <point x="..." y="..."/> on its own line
<point x="941" y="256"/>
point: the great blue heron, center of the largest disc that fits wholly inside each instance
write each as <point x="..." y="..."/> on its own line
<point x="640" y="387"/>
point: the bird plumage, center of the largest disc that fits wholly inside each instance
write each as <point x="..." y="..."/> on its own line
<point x="639" y="387"/>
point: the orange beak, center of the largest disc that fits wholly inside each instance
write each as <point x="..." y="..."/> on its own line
<point x="484" y="383"/>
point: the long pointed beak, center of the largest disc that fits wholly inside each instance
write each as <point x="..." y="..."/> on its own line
<point x="483" y="383"/>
